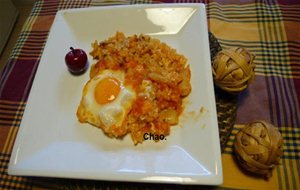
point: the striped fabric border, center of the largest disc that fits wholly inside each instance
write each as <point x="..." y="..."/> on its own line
<point x="292" y="12"/>
<point x="257" y="48"/>
<point x="11" y="113"/>
<point x="273" y="58"/>
<point x="106" y="2"/>
<point x="228" y="13"/>
<point x="11" y="182"/>
<point x="285" y="110"/>
<point x="10" y="117"/>
<point x="30" y="45"/>
<point x="65" y="4"/>
<point x="272" y="55"/>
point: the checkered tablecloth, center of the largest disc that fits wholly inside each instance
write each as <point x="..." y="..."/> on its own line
<point x="270" y="29"/>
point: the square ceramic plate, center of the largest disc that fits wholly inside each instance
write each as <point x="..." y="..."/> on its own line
<point x="51" y="142"/>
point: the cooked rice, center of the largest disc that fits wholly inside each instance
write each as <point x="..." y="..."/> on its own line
<point x="159" y="75"/>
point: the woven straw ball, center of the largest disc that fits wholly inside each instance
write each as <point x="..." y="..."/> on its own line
<point x="233" y="69"/>
<point x="258" y="148"/>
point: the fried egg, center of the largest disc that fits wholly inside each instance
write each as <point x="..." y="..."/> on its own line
<point x="106" y="101"/>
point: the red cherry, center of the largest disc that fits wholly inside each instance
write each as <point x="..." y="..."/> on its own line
<point x="76" y="61"/>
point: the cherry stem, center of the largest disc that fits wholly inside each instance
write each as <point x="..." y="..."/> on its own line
<point x="72" y="49"/>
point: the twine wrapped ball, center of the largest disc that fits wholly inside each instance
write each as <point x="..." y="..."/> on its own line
<point x="233" y="69"/>
<point x="258" y="148"/>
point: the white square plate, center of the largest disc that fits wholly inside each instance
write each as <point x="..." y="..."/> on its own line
<point x="51" y="142"/>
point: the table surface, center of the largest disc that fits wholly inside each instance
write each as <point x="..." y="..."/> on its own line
<point x="269" y="29"/>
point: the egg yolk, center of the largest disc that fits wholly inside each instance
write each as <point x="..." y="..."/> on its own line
<point x="107" y="90"/>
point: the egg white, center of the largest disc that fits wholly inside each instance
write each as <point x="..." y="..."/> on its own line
<point x="111" y="114"/>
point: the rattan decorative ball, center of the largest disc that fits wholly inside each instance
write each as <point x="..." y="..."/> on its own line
<point x="259" y="147"/>
<point x="233" y="69"/>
